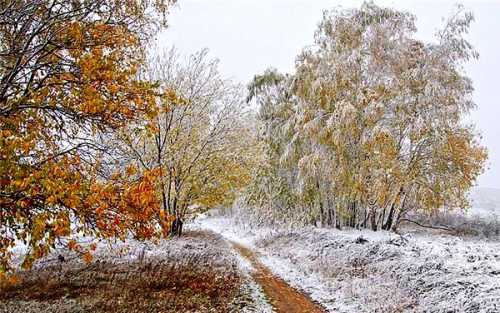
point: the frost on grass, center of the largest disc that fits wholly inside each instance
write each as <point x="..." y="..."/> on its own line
<point x="251" y="299"/>
<point x="195" y="273"/>
<point x="384" y="273"/>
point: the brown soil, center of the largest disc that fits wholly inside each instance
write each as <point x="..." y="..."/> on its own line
<point x="283" y="298"/>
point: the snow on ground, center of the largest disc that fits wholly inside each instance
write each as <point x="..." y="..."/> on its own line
<point x="251" y="298"/>
<point x="136" y="276"/>
<point x="388" y="273"/>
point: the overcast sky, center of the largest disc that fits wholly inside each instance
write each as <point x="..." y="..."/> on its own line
<point x="247" y="36"/>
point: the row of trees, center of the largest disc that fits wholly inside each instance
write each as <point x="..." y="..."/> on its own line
<point x="103" y="135"/>
<point x="370" y="126"/>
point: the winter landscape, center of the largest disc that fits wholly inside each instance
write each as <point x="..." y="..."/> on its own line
<point x="143" y="170"/>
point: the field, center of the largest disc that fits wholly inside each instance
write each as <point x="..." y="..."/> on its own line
<point x="195" y="273"/>
<point x="223" y="264"/>
<point x="321" y="161"/>
<point x="366" y="271"/>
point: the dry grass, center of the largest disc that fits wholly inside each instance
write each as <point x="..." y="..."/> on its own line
<point x="155" y="284"/>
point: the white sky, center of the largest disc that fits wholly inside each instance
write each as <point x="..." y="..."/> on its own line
<point x="248" y="36"/>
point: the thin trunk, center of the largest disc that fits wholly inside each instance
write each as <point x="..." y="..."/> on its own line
<point x="164" y="197"/>
<point x="175" y="206"/>
<point x="390" y="218"/>
<point x="321" y="213"/>
<point x="373" y="219"/>
<point x="320" y="202"/>
<point x="354" y="215"/>
<point x="169" y="190"/>
<point x="331" y="214"/>
<point x="365" y="219"/>
<point x="382" y="217"/>
<point x="400" y="214"/>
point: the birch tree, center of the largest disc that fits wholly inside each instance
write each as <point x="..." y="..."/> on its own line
<point x="378" y="119"/>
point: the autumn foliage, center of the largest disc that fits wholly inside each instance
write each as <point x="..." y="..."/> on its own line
<point x="370" y="126"/>
<point x="201" y="141"/>
<point x="68" y="79"/>
<point x="101" y="139"/>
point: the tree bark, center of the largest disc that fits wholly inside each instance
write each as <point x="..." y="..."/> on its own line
<point x="373" y="220"/>
<point x="390" y="218"/>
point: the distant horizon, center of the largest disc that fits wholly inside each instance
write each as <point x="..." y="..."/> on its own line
<point x="486" y="187"/>
<point x="250" y="36"/>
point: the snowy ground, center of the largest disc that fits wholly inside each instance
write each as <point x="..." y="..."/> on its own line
<point x="388" y="273"/>
<point x="199" y="272"/>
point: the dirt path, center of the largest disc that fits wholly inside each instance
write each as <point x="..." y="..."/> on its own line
<point x="283" y="298"/>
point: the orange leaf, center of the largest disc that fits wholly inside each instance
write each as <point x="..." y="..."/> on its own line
<point x="87" y="257"/>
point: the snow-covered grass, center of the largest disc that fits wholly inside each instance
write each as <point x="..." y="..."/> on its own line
<point x="388" y="273"/>
<point x="199" y="272"/>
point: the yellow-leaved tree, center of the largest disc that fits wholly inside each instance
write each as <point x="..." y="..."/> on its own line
<point x="68" y="78"/>
<point x="371" y="125"/>
<point x="201" y="141"/>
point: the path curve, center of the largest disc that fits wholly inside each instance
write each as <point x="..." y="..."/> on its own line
<point x="282" y="296"/>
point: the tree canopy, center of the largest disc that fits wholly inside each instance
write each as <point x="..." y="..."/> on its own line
<point x="68" y="78"/>
<point x="106" y="135"/>
<point x="200" y="141"/>
<point x="371" y="124"/>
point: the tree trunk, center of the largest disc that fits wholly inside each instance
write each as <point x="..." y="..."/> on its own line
<point x="179" y="228"/>
<point x="320" y="203"/>
<point x="331" y="217"/>
<point x="164" y="197"/>
<point x="321" y="213"/>
<point x="401" y="213"/>
<point x="354" y="216"/>
<point x="390" y="218"/>
<point x="381" y="218"/>
<point x="175" y="206"/>
<point x="365" y="219"/>
<point x="176" y="228"/>
<point x="169" y="191"/>
<point x="373" y="220"/>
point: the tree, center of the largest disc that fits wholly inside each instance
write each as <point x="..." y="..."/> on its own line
<point x="68" y="78"/>
<point x="200" y="140"/>
<point x="272" y="187"/>
<point x="377" y="119"/>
